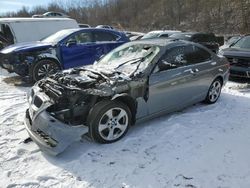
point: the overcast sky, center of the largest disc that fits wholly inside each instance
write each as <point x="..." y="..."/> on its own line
<point x="14" y="5"/>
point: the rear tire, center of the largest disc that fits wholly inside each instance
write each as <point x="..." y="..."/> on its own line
<point x="214" y="91"/>
<point x="44" y="68"/>
<point x="109" y="121"/>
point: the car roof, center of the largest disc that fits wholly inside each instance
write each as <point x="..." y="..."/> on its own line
<point x="164" y="31"/>
<point x="93" y="29"/>
<point x="164" y="42"/>
<point x="194" y="33"/>
<point x="158" y="41"/>
<point x="53" y="12"/>
<point x="8" y="20"/>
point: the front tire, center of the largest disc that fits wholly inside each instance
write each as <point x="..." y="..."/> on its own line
<point x="44" y="68"/>
<point x="109" y="121"/>
<point x="214" y="91"/>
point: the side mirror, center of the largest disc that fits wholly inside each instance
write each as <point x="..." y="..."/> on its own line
<point x="71" y="43"/>
<point x="164" y="65"/>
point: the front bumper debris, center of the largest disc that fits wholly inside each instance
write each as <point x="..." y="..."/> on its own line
<point x="51" y="135"/>
<point x="242" y="72"/>
<point x="11" y="63"/>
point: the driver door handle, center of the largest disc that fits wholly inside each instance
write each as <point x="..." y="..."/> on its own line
<point x="192" y="71"/>
<point x="195" y="70"/>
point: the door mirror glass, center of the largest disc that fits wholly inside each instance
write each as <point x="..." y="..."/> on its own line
<point x="71" y="42"/>
<point x="165" y="65"/>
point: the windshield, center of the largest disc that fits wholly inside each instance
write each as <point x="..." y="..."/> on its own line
<point x="58" y="36"/>
<point x="233" y="40"/>
<point x="242" y="43"/>
<point x="128" y="58"/>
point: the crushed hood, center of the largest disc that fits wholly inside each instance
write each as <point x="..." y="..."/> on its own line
<point x="86" y="76"/>
<point x="27" y="46"/>
<point x="91" y="80"/>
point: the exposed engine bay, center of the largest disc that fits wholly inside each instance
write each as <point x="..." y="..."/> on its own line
<point x="75" y="91"/>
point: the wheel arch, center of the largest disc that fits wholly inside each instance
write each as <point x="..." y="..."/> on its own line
<point x="130" y="102"/>
<point x="220" y="78"/>
<point x="42" y="57"/>
<point x="48" y="56"/>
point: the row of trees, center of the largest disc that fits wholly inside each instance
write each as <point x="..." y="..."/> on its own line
<point x="219" y="16"/>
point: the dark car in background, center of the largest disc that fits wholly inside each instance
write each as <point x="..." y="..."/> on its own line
<point x="229" y="41"/>
<point x="238" y="54"/>
<point x="62" y="50"/>
<point x="159" y="34"/>
<point x="105" y="26"/>
<point x="134" y="82"/>
<point x="84" y="25"/>
<point x="51" y="15"/>
<point x="132" y="35"/>
<point x="208" y="40"/>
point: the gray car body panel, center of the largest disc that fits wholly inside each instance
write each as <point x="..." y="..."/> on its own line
<point x="168" y="91"/>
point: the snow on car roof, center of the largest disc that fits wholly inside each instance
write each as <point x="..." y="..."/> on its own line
<point x="156" y="41"/>
<point x="161" y="31"/>
<point x="7" y="20"/>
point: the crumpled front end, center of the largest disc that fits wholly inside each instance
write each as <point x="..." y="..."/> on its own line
<point x="51" y="134"/>
<point x="13" y="62"/>
<point x="60" y="104"/>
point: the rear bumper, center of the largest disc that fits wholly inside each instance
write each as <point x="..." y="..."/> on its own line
<point x="51" y="135"/>
<point x="241" y="72"/>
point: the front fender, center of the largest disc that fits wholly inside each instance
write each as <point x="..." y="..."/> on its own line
<point x="47" y="56"/>
<point x="119" y="95"/>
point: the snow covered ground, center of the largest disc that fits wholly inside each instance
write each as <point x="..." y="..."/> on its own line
<point x="199" y="147"/>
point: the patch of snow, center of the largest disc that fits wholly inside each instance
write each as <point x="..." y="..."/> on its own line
<point x="202" y="146"/>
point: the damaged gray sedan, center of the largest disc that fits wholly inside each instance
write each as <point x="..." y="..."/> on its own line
<point x="136" y="81"/>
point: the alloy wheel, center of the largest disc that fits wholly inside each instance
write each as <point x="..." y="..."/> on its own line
<point x="214" y="91"/>
<point x="113" y="124"/>
<point x="46" y="69"/>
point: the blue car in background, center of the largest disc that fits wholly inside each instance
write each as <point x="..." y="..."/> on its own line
<point x="65" y="49"/>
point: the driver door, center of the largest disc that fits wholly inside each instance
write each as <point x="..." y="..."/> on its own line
<point x="79" y="49"/>
<point x="169" y="83"/>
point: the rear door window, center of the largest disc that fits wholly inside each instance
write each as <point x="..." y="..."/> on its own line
<point x="197" y="55"/>
<point x="183" y="56"/>
<point x="104" y="36"/>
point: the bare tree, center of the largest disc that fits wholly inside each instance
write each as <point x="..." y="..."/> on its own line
<point x="143" y="15"/>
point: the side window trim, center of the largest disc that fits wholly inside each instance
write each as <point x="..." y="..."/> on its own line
<point x="64" y="41"/>
<point x="178" y="57"/>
